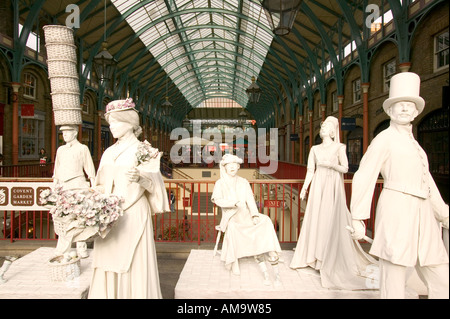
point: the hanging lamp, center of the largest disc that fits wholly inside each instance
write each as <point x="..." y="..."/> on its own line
<point x="104" y="62"/>
<point x="253" y="91"/>
<point x="166" y="107"/>
<point x="281" y="14"/>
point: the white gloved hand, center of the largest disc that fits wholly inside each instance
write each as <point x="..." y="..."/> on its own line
<point x="303" y="193"/>
<point x="133" y="175"/>
<point x="445" y="223"/>
<point x="359" y="228"/>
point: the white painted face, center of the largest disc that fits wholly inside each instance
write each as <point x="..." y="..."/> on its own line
<point x="69" y="135"/>
<point x="403" y="112"/>
<point x="326" y="129"/>
<point x="232" y="169"/>
<point x="119" y="128"/>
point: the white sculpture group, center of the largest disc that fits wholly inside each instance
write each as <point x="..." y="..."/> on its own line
<point x="409" y="212"/>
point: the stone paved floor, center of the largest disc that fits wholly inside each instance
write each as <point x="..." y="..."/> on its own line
<point x="29" y="277"/>
<point x="205" y="277"/>
<point x="177" y="264"/>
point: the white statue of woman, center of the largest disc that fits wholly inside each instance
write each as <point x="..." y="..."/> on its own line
<point x="72" y="161"/>
<point x="247" y="232"/>
<point x="325" y="244"/>
<point x="124" y="262"/>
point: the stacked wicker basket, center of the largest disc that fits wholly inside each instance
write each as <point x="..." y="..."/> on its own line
<point x="63" y="75"/>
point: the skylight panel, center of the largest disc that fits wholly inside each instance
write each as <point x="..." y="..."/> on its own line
<point x="124" y="5"/>
<point x="180" y="67"/>
<point x="200" y="3"/>
<point x="202" y="18"/>
<point x="183" y="4"/>
<point x="230" y="4"/>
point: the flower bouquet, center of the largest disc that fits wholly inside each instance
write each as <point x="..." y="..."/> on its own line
<point x="82" y="214"/>
<point x="148" y="156"/>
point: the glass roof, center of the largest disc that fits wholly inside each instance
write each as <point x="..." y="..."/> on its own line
<point x="209" y="48"/>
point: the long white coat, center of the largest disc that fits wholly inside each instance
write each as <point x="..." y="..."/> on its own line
<point x="242" y="237"/>
<point x="410" y="206"/>
<point x="71" y="162"/>
<point x="127" y="254"/>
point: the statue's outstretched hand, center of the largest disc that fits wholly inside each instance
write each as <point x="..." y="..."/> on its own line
<point x="303" y="193"/>
<point x="359" y="228"/>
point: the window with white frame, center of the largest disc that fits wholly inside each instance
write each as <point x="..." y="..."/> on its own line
<point x="86" y="105"/>
<point x="441" y="51"/>
<point x="389" y="70"/>
<point x="32" y="41"/>
<point x="29" y="85"/>
<point x="356" y="90"/>
<point x="31" y="135"/>
<point x="319" y="109"/>
<point x="335" y="102"/>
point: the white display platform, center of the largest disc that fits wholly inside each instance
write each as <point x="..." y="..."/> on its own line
<point x="205" y="277"/>
<point x="29" y="278"/>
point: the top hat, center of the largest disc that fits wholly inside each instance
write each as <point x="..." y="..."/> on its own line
<point x="404" y="86"/>
<point x="120" y="105"/>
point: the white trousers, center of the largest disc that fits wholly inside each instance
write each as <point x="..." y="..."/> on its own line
<point x="393" y="280"/>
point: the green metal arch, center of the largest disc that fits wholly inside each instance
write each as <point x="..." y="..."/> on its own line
<point x="21" y="40"/>
<point x="195" y="40"/>
<point x="200" y="39"/>
<point x="231" y="29"/>
<point x="245" y="80"/>
<point x="328" y="43"/>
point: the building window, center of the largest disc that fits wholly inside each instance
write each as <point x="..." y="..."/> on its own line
<point x="29" y="86"/>
<point x="86" y="105"/>
<point x="87" y="136"/>
<point x="106" y="138"/>
<point x="335" y="101"/>
<point x="306" y="150"/>
<point x="354" y="148"/>
<point x="356" y="90"/>
<point x="31" y="136"/>
<point x="319" y="109"/>
<point x="441" y="51"/>
<point x="388" y="71"/>
<point x="433" y="137"/>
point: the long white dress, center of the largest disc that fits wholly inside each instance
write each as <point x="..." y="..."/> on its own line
<point x="124" y="262"/>
<point x="324" y="243"/>
<point x="242" y="238"/>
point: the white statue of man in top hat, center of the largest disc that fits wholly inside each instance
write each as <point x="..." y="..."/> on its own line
<point x="410" y="209"/>
<point x="72" y="160"/>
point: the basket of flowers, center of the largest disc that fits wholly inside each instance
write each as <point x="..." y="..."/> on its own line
<point x="82" y="215"/>
<point x="64" y="268"/>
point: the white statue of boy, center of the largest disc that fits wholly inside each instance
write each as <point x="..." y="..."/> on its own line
<point x="410" y="208"/>
<point x="72" y="160"/>
<point x="247" y="232"/>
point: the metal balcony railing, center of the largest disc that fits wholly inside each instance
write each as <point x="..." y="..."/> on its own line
<point x="194" y="216"/>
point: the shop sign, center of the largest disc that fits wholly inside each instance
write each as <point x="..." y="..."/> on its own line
<point x="22" y="196"/>
<point x="273" y="203"/>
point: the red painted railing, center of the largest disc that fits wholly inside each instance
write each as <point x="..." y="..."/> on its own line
<point x="27" y="170"/>
<point x="194" y="216"/>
